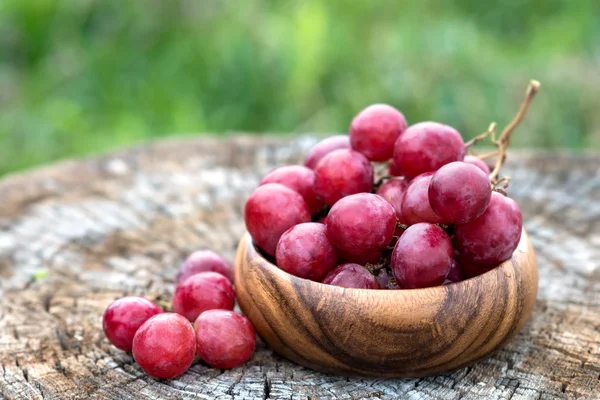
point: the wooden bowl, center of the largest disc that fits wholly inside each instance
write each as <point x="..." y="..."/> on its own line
<point x="386" y="333"/>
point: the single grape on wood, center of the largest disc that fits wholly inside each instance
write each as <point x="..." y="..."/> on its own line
<point x="204" y="261"/>
<point x="164" y="346"/>
<point x="124" y="316"/>
<point x="201" y="292"/>
<point x="224" y="339"/>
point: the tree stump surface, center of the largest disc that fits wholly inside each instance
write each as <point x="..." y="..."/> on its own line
<point x="77" y="235"/>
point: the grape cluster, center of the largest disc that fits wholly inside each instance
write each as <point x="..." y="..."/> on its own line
<point x="437" y="216"/>
<point x="203" y="323"/>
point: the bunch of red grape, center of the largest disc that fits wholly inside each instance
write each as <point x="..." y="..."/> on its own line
<point x="202" y="323"/>
<point x="436" y="218"/>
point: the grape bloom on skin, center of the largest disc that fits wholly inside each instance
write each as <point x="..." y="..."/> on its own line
<point x="124" y="316"/>
<point x="393" y="191"/>
<point x="375" y="129"/>
<point x="325" y="147"/>
<point x="164" y="346"/>
<point x="271" y="210"/>
<point x="490" y="239"/>
<point x="422" y="256"/>
<point x="415" y="203"/>
<point x="459" y="192"/>
<point x="224" y="339"/>
<point x="305" y="251"/>
<point x="299" y="179"/>
<point x="201" y="292"/>
<point x="342" y="173"/>
<point x="352" y="276"/>
<point x="478" y="163"/>
<point x="204" y="261"/>
<point x="426" y="147"/>
<point x="361" y="223"/>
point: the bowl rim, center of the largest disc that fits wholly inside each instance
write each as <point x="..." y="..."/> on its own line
<point x="254" y="252"/>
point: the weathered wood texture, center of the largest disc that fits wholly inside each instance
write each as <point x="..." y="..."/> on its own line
<point x="120" y="225"/>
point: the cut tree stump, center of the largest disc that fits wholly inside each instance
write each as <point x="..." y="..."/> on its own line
<point x="77" y="235"/>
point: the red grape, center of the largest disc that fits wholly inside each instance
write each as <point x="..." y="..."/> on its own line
<point x="325" y="147"/>
<point x="204" y="261"/>
<point x="124" y="316"/>
<point x="393" y="191"/>
<point x="342" y="173"/>
<point x="383" y="279"/>
<point x="459" y="192"/>
<point x="375" y="129"/>
<point x="415" y="204"/>
<point x="299" y="179"/>
<point x="271" y="210"/>
<point x="351" y="276"/>
<point x="478" y="163"/>
<point x="305" y="251"/>
<point x="427" y="146"/>
<point x="361" y="223"/>
<point x="493" y="237"/>
<point x="469" y="270"/>
<point x="370" y="257"/>
<point x="422" y="257"/>
<point x="455" y="274"/>
<point x="165" y="345"/>
<point x="224" y="339"/>
<point x="201" y="292"/>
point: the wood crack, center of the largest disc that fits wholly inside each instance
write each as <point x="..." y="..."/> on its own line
<point x="233" y="385"/>
<point x="267" y="388"/>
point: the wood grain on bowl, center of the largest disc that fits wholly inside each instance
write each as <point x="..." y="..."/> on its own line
<point x="386" y="333"/>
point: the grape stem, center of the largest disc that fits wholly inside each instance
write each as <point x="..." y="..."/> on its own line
<point x="502" y="184"/>
<point x="158" y="299"/>
<point x="488" y="155"/>
<point x="381" y="180"/>
<point x="401" y="226"/>
<point x="504" y="139"/>
<point x="491" y="131"/>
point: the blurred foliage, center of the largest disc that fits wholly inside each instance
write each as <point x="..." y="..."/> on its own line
<point x="82" y="76"/>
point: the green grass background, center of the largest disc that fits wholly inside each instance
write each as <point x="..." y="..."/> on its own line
<point x="85" y="76"/>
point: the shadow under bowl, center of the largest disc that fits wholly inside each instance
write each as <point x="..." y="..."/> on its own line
<point x="386" y="333"/>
